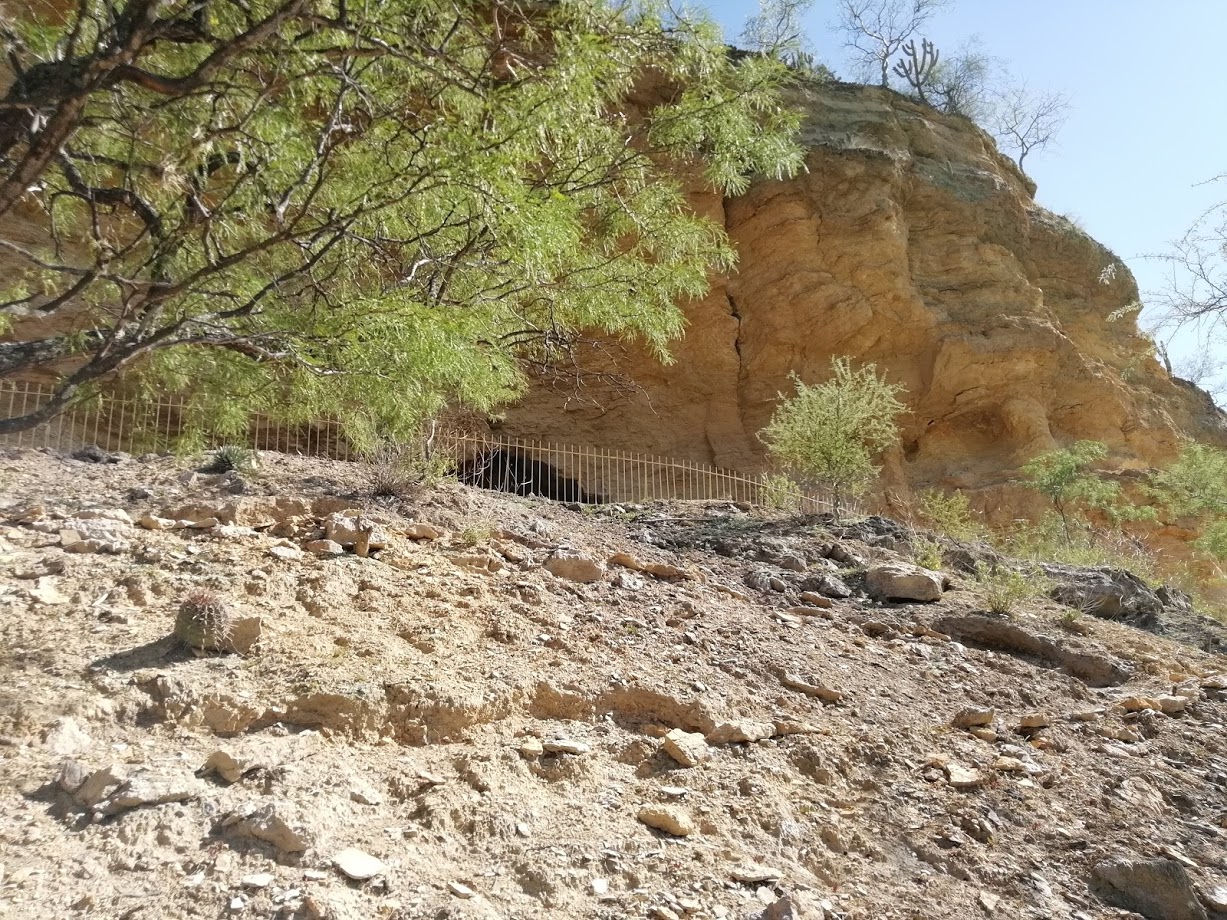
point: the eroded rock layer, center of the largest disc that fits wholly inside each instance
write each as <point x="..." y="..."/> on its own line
<point x="910" y="242"/>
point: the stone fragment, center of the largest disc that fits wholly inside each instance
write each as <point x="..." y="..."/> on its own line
<point x="245" y="635"/>
<point x="222" y="764"/>
<point x="784" y="909"/>
<point x="963" y="778"/>
<point x="1034" y="720"/>
<point x="257" y="880"/>
<point x="1140" y="703"/>
<point x="814" y="599"/>
<point x="832" y="586"/>
<point x="565" y="746"/>
<point x="72" y="776"/>
<point x="671" y="819"/>
<point x="901" y="581"/>
<point x="357" y="864"/>
<point x="574" y="567"/>
<point x="816" y="690"/>
<point x="739" y="731"/>
<point x="688" y="748"/>
<point x="100" y="784"/>
<point x="755" y="874"/>
<point x="286" y="551"/>
<point x="460" y="890"/>
<point x="275" y="823"/>
<point x="1158" y="889"/>
<point x="988" y="901"/>
<point x="324" y="548"/>
<point x="983" y="733"/>
<point x="1172" y="705"/>
<point x="420" y="530"/>
<point x="150" y="787"/>
<point x="531" y="748"/>
<point x="973" y="716"/>
<point x="66" y="738"/>
<point x="1214" y="899"/>
<point x="153" y="522"/>
<point x="46" y="591"/>
<point x="355" y="531"/>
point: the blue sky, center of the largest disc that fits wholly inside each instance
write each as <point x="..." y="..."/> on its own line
<point x="1149" y="119"/>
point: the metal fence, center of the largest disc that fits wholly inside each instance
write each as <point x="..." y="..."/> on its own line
<point x="566" y="472"/>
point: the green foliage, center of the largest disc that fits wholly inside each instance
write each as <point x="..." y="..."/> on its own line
<point x="397" y="468"/>
<point x="926" y="552"/>
<point x="1196" y="483"/>
<point x="231" y="458"/>
<point x="1004" y="588"/>
<point x="950" y="513"/>
<point x="1196" y="486"/>
<point x="827" y="434"/>
<point x="1049" y="541"/>
<point x="366" y="214"/>
<point x="781" y="492"/>
<point x="1068" y="479"/>
<point x="1214" y="539"/>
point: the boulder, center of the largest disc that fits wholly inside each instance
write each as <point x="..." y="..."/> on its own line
<point x="905" y="582"/>
<point x="574" y="566"/>
<point x="687" y="748"/>
<point x="1158" y="889"/>
<point x="1110" y="593"/>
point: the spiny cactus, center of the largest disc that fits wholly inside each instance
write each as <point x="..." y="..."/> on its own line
<point x="204" y="620"/>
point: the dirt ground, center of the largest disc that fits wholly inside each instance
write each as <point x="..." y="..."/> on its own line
<point x="470" y="720"/>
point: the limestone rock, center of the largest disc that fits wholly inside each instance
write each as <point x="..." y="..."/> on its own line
<point x="565" y="746"/>
<point x="419" y="530"/>
<point x="574" y="566"/>
<point x="740" y="730"/>
<point x="275" y="823"/>
<point x="901" y="581"/>
<point x="687" y="748"/>
<point x="66" y="738"/>
<point x="150" y="787"/>
<point x="671" y="819"/>
<point x="355" y="531"/>
<point x="973" y="716"/>
<point x="357" y="864"/>
<point x="324" y="547"/>
<point x="1158" y="889"/>
<point x="1114" y="594"/>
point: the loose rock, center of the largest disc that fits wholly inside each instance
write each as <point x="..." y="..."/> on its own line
<point x="668" y="818"/>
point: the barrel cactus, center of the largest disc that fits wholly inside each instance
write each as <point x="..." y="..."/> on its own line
<point x="204" y="621"/>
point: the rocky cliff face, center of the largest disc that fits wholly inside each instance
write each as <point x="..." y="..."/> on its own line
<point x="912" y="243"/>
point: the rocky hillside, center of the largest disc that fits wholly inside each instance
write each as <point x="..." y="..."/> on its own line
<point x="912" y="243"/>
<point x="465" y="705"/>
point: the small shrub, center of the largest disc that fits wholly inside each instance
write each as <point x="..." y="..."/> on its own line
<point x="1072" y="621"/>
<point x="396" y="468"/>
<point x="950" y="513"/>
<point x="926" y="552"/>
<point x="231" y="458"/>
<point x="827" y="434"/>
<point x="205" y="621"/>
<point x="1004" y="588"/>
<point x="781" y="492"/>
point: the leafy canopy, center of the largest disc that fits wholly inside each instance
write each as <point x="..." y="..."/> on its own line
<point x="313" y="207"/>
<point x="828" y="433"/>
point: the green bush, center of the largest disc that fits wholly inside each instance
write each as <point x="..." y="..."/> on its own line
<point x="827" y="434"/>
<point x="781" y="492"/>
<point x="950" y="513"/>
<point x="1004" y="588"/>
<point x="926" y="551"/>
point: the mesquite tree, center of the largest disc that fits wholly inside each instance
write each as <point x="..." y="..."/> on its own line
<point x="319" y="207"/>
